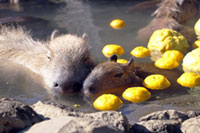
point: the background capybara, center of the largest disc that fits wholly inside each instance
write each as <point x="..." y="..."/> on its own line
<point x="172" y="14"/>
<point x="113" y="77"/>
<point x="63" y="62"/>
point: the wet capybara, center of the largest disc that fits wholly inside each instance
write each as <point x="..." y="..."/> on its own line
<point x="172" y="14"/>
<point x="110" y="77"/>
<point x="113" y="77"/>
<point x="63" y="61"/>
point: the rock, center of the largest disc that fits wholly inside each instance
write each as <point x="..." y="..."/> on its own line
<point x="165" y="115"/>
<point x="157" y="126"/>
<point x="192" y="114"/>
<point x="117" y="119"/>
<point x="52" y="110"/>
<point x="15" y="115"/>
<point x="191" y="125"/>
<point x="105" y="120"/>
<point x="162" y="121"/>
<point x="69" y="124"/>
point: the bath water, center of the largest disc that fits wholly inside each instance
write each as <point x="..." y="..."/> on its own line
<point x="91" y="17"/>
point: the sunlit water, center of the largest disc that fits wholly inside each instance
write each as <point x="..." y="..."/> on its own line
<point x="93" y="18"/>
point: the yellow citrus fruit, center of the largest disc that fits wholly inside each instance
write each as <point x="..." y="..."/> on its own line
<point x="140" y="52"/>
<point x="191" y="61"/>
<point x="166" y="39"/>
<point x="76" y="105"/>
<point x="197" y="28"/>
<point x="173" y="54"/>
<point x="117" y="24"/>
<point x="107" y="102"/>
<point x="156" y="82"/>
<point x="122" y="61"/>
<point x="136" y="94"/>
<point x="112" y="49"/>
<point x="166" y="63"/>
<point x="196" y="44"/>
<point x="189" y="79"/>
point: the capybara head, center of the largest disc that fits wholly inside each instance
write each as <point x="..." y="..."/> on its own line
<point x="110" y="77"/>
<point x="63" y="62"/>
<point x="180" y="10"/>
<point x="69" y="63"/>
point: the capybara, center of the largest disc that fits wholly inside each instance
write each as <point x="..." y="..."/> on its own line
<point x="110" y="77"/>
<point x="172" y="14"/>
<point x="113" y="77"/>
<point x="63" y="61"/>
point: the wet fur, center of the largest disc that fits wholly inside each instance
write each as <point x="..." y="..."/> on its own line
<point x="63" y="59"/>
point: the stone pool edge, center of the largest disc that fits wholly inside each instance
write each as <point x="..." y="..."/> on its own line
<point x="51" y="117"/>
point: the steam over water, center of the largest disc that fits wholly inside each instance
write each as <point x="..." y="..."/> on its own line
<point x="93" y="18"/>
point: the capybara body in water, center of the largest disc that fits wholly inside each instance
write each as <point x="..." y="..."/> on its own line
<point x="172" y="14"/>
<point x="63" y="62"/>
<point x="113" y="77"/>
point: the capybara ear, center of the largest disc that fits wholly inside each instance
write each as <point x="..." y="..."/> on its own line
<point x="54" y="34"/>
<point x="113" y="58"/>
<point x="85" y="36"/>
<point x="180" y="2"/>
<point x="131" y="63"/>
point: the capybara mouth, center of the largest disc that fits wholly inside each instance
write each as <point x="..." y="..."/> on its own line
<point x="72" y="88"/>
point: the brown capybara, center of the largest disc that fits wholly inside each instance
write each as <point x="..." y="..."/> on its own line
<point x="110" y="77"/>
<point x="113" y="77"/>
<point x="172" y="14"/>
<point x="63" y="62"/>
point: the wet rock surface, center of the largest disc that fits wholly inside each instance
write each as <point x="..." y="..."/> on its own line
<point x="75" y="121"/>
<point x="15" y="115"/>
<point x="191" y="125"/>
<point x="73" y="124"/>
<point x="52" y="110"/>
<point x="165" y="115"/>
<point x="166" y="121"/>
<point x="57" y="118"/>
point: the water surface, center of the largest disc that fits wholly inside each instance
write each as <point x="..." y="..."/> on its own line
<point x="93" y="18"/>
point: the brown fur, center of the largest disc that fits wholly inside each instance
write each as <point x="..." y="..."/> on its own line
<point x="103" y="78"/>
<point x="172" y="14"/>
<point x="144" y="5"/>
<point x="110" y="76"/>
<point x="63" y="62"/>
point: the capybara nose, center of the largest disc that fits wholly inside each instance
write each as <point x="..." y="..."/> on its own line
<point x="92" y="90"/>
<point x="88" y="91"/>
<point x="68" y="87"/>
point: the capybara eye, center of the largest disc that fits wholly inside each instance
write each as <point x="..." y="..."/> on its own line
<point x="55" y="84"/>
<point x="92" y="90"/>
<point x="48" y="57"/>
<point x="85" y="59"/>
<point x="118" y="75"/>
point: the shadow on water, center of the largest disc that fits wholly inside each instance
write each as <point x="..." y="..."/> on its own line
<point x="91" y="17"/>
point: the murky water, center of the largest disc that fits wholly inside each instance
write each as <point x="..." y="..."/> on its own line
<point x="93" y="18"/>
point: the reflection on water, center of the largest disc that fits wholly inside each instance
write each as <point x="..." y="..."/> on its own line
<point x="17" y="82"/>
<point x="93" y="18"/>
